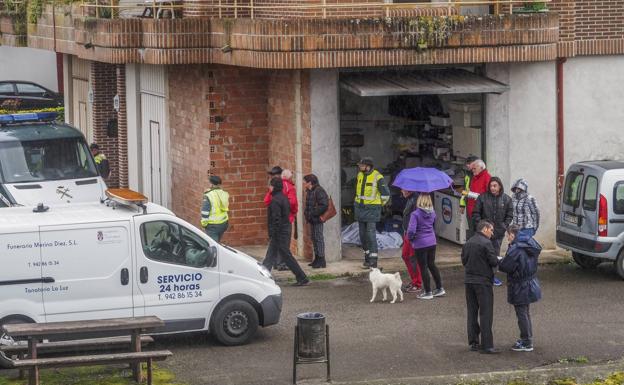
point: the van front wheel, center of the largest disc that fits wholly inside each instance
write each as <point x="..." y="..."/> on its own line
<point x="234" y="323"/>
<point x="585" y="261"/>
<point x="619" y="264"/>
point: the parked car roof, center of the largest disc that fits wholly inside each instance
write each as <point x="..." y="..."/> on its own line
<point x="37" y="131"/>
<point x="605" y="164"/>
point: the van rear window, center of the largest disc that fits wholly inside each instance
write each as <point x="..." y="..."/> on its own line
<point x="591" y="194"/>
<point x="572" y="190"/>
<point x="618" y="198"/>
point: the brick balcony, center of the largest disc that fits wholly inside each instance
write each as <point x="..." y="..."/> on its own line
<point x="300" y="43"/>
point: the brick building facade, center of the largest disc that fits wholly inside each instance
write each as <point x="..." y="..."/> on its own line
<point x="238" y="90"/>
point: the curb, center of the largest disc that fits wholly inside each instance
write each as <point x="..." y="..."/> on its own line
<point x="539" y="376"/>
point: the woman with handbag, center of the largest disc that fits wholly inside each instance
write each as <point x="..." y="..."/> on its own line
<point x="317" y="204"/>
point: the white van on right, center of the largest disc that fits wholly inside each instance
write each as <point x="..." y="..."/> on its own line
<point x="591" y="214"/>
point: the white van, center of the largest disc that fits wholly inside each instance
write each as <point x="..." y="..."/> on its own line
<point x="42" y="160"/>
<point x="104" y="260"/>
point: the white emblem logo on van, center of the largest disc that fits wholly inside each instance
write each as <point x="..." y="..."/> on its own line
<point x="63" y="192"/>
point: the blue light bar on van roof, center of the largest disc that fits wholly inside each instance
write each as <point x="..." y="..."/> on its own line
<point x="28" y="117"/>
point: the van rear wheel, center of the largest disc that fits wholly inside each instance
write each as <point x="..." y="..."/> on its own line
<point x="585" y="261"/>
<point x="234" y="323"/>
<point x="619" y="264"/>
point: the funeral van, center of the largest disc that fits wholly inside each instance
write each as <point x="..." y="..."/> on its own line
<point x="42" y="160"/>
<point x="126" y="257"/>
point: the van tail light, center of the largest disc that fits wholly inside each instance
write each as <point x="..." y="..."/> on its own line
<point x="602" y="216"/>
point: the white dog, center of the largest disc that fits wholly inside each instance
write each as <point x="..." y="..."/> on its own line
<point x="382" y="281"/>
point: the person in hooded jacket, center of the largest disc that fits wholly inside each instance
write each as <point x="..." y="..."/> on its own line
<point x="423" y="239"/>
<point x="280" y="231"/>
<point x="526" y="214"/>
<point x="316" y="204"/>
<point x="520" y="264"/>
<point x="408" y="251"/>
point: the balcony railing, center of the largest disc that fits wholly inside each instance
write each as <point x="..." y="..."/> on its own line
<point x="322" y="9"/>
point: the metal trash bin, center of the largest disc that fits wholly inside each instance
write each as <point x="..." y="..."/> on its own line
<point x="311" y="336"/>
<point x="311" y="342"/>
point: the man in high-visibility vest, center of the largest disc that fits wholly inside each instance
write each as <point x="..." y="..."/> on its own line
<point x="467" y="178"/>
<point x="100" y="160"/>
<point x="371" y="194"/>
<point x="215" y="207"/>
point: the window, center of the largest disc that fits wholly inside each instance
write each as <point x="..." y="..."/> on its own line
<point x="618" y="198"/>
<point x="29" y="89"/>
<point x="50" y="159"/>
<point x="591" y="194"/>
<point x="171" y="243"/>
<point x="572" y="190"/>
<point x="6" y="89"/>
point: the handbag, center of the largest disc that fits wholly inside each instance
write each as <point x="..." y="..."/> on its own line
<point x="329" y="213"/>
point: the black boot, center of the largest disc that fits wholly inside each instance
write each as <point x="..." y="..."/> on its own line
<point x="320" y="263"/>
<point x="313" y="261"/>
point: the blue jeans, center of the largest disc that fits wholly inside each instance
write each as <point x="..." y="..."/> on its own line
<point x="526" y="233"/>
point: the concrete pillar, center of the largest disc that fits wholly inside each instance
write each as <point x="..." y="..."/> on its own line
<point x="325" y="120"/>
<point x="521" y="135"/>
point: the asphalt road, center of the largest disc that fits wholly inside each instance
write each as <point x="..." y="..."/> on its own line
<point x="581" y="314"/>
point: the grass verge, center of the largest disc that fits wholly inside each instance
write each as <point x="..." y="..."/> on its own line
<point x="93" y="375"/>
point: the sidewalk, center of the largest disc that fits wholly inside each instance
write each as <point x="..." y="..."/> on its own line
<point x="447" y="255"/>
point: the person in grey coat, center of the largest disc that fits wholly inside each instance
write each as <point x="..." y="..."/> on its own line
<point x="523" y="288"/>
<point x="526" y="214"/>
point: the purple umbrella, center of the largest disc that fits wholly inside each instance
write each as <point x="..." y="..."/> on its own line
<point x="422" y="179"/>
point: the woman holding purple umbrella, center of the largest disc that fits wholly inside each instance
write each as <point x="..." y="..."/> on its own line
<point x="423" y="239"/>
<point x="420" y="231"/>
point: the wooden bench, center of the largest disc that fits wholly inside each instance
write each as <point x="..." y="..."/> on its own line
<point x="87" y="360"/>
<point x="37" y="332"/>
<point x="74" y="345"/>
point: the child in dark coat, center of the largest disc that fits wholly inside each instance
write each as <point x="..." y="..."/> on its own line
<point x="520" y="264"/>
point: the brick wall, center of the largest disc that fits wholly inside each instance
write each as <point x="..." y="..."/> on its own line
<point x="122" y="123"/>
<point x="282" y="115"/>
<point x="597" y="19"/>
<point x="104" y="86"/>
<point x="218" y="120"/>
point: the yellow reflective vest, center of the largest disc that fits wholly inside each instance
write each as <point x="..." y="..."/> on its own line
<point x="462" y="200"/>
<point x="219" y="207"/>
<point x="371" y="194"/>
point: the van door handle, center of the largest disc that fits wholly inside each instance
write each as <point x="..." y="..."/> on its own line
<point x="125" y="276"/>
<point x="47" y="280"/>
<point x="144" y="274"/>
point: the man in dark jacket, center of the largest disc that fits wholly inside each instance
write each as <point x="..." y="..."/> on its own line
<point x="280" y="232"/>
<point x="317" y="202"/>
<point x="479" y="259"/>
<point x="520" y="264"/>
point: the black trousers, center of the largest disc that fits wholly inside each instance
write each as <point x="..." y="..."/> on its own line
<point x="279" y="247"/>
<point x="426" y="260"/>
<point x="318" y="241"/>
<point x="480" y="306"/>
<point x="524" y="323"/>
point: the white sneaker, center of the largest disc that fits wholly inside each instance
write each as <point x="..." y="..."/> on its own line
<point x="439" y="292"/>
<point x="425" y="295"/>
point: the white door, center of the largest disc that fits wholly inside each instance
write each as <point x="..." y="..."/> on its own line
<point x="91" y="268"/>
<point x="176" y="273"/>
<point x="80" y="118"/>
<point x="154" y="134"/>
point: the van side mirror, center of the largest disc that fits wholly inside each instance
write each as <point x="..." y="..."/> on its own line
<point x="211" y="260"/>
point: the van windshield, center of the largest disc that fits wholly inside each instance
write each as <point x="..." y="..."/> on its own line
<point x="42" y="160"/>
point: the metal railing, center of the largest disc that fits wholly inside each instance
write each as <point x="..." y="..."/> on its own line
<point x="322" y="9"/>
